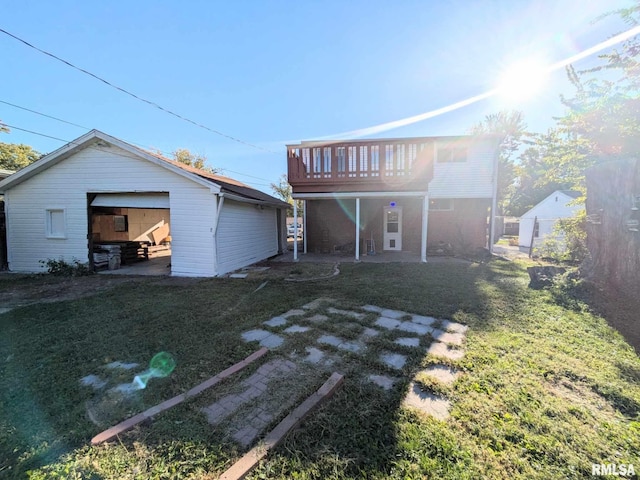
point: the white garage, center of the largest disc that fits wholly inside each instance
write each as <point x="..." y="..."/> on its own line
<point x="98" y="190"/>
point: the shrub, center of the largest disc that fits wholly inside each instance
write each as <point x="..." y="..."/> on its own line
<point x="514" y="241"/>
<point x="63" y="268"/>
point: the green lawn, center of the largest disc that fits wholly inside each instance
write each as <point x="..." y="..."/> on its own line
<point x="548" y="388"/>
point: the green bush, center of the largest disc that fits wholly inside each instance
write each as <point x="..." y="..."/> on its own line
<point x="63" y="268"/>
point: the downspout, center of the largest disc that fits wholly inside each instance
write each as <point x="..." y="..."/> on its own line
<point x="215" y="232"/>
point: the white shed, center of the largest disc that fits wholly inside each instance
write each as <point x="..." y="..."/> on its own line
<point x="99" y="189"/>
<point x="539" y="222"/>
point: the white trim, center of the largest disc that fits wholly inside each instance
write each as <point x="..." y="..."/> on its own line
<point x="425" y="226"/>
<point x="85" y="141"/>
<point x="48" y="224"/>
<point x="295" y="232"/>
<point x="319" y="196"/>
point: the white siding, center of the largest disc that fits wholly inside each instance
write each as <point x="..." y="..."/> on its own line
<point x="470" y="179"/>
<point x="246" y="235"/>
<point x="65" y="185"/>
<point x="548" y="211"/>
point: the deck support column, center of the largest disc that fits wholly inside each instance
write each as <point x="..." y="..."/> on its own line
<point x="425" y="224"/>
<point x="304" y="225"/>
<point x="357" y="229"/>
<point x="295" y="230"/>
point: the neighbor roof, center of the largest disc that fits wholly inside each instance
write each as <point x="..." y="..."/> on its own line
<point x="218" y="182"/>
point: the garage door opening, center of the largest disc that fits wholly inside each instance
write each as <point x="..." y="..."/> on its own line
<point x="130" y="233"/>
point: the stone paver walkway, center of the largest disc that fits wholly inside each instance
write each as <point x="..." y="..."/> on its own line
<point x="317" y="323"/>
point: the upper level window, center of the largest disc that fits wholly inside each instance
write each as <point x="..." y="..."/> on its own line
<point x="55" y="223"/>
<point x="451" y="154"/>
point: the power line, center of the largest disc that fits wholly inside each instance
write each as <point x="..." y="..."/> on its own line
<point x="37" y="133"/>
<point x="44" y="115"/>
<point x="133" y="143"/>
<point x="149" y="102"/>
<point x="74" y="143"/>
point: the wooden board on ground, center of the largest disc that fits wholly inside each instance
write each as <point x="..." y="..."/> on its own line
<point x="172" y="402"/>
<point x="242" y="467"/>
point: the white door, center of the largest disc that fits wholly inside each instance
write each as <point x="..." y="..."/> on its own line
<point x="392" y="237"/>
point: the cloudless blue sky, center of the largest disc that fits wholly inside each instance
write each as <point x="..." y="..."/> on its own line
<point x="270" y="72"/>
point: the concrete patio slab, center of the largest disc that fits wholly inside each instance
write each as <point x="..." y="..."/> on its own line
<point x="276" y="322"/>
<point x="427" y="402"/>
<point x="296" y="329"/>
<point x="272" y="341"/>
<point x="388" y="323"/>
<point x="441" y="373"/>
<point x="346" y="313"/>
<point x="253" y="335"/>
<point x="393" y="360"/>
<point x="414" y="328"/>
<point x="408" y="341"/>
<point x="392" y="313"/>
<point x="453" y="326"/>
<point x="372" y="308"/>
<point x="439" y="349"/>
<point x="422" y="320"/>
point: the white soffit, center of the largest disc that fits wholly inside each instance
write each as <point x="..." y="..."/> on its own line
<point x="132" y="200"/>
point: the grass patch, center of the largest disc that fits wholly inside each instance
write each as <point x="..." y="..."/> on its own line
<point x="547" y="389"/>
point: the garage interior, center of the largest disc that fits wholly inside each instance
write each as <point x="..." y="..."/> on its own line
<point x="130" y="233"/>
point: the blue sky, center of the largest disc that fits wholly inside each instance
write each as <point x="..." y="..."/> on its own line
<point x="271" y="72"/>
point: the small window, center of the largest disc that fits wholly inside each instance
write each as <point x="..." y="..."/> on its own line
<point x="536" y="230"/>
<point x="120" y="223"/>
<point x="451" y="154"/>
<point x="55" y="223"/>
<point x="441" y="204"/>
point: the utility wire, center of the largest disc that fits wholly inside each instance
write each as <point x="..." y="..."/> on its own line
<point x="74" y="143"/>
<point x="44" y="115"/>
<point x="37" y="133"/>
<point x="149" y="102"/>
<point x="133" y="143"/>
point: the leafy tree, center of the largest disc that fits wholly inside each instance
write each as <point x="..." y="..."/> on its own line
<point x="183" y="155"/>
<point x="283" y="190"/>
<point x="510" y="126"/>
<point x="16" y="156"/>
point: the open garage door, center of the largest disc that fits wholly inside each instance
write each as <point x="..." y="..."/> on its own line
<point x="131" y="200"/>
<point x="130" y="230"/>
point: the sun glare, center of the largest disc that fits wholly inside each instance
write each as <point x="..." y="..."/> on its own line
<point x="523" y="80"/>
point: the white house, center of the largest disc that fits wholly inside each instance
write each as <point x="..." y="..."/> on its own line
<point x="539" y="222"/>
<point x="54" y="209"/>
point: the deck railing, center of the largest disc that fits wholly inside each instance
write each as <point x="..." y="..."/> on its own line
<point x="388" y="161"/>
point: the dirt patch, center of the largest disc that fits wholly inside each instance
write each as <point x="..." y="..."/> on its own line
<point x="580" y="395"/>
<point x="18" y="290"/>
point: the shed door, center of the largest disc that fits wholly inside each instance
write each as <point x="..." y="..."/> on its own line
<point x="392" y="228"/>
